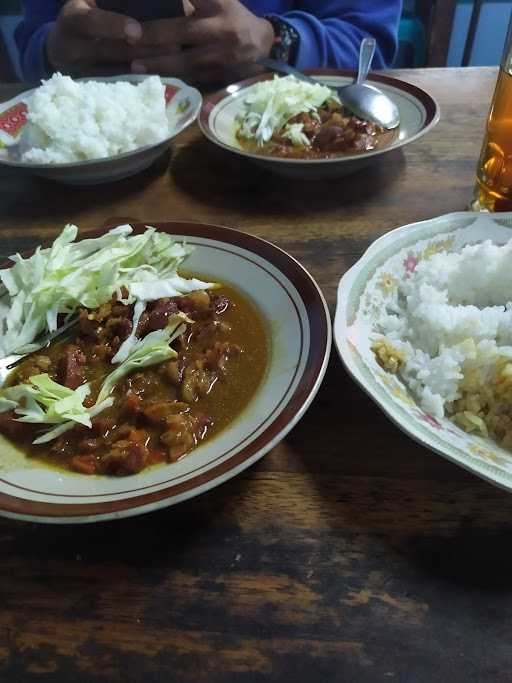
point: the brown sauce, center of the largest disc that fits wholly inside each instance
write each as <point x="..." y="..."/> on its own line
<point x="162" y="412"/>
<point x="333" y="133"/>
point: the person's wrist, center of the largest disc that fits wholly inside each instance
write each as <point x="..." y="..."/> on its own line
<point x="265" y="40"/>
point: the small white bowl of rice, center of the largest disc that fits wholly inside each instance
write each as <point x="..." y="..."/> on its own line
<point x="91" y="131"/>
<point x="424" y="325"/>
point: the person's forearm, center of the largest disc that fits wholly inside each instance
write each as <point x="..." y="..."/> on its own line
<point x="331" y="37"/>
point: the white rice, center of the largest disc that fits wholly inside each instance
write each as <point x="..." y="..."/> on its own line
<point x="449" y="324"/>
<point x="72" y="121"/>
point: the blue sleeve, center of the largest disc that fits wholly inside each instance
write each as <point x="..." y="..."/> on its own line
<point x="31" y="36"/>
<point x="331" y="31"/>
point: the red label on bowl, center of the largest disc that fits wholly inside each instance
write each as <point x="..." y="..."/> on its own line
<point x="170" y="91"/>
<point x="13" y="120"/>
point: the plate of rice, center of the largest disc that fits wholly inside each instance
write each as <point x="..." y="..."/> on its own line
<point x="424" y="324"/>
<point x="90" y="131"/>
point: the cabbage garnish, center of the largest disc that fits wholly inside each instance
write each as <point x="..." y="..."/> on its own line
<point x="43" y="401"/>
<point x="70" y="274"/>
<point x="293" y="131"/>
<point x="130" y="342"/>
<point x="154" y="348"/>
<point x="66" y="426"/>
<point x="151" y="291"/>
<point x="269" y="105"/>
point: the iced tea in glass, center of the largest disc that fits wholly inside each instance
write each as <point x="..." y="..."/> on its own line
<point x="493" y="191"/>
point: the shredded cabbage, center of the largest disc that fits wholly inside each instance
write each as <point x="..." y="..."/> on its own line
<point x="124" y="350"/>
<point x="54" y="281"/>
<point x="269" y="105"/>
<point x="154" y="348"/>
<point x="69" y="274"/>
<point x="293" y="131"/>
<point x="43" y="401"/>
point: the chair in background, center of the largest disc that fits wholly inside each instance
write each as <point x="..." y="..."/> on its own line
<point x="424" y="33"/>
<point x="473" y="25"/>
<point x="437" y="17"/>
<point x="412" y="42"/>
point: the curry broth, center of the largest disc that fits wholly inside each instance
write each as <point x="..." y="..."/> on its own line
<point x="271" y="148"/>
<point x="225" y="401"/>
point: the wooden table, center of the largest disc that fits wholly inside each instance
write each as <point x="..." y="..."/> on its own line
<point x="349" y="553"/>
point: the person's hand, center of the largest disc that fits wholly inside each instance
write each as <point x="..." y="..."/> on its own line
<point x="88" y="40"/>
<point x="221" y="38"/>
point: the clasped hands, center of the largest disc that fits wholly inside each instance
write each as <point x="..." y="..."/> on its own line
<point x="215" y="40"/>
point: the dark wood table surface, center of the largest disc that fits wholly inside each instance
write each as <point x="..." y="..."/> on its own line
<point x="348" y="553"/>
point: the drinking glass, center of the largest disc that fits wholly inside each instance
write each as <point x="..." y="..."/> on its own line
<point x="493" y="189"/>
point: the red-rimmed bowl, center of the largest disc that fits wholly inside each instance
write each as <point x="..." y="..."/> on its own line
<point x="183" y="105"/>
<point x="419" y="113"/>
<point x="300" y="339"/>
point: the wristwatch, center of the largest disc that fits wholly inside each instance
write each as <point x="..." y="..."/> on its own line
<point x="286" y="40"/>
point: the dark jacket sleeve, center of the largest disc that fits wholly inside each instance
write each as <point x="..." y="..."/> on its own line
<point x="31" y="36"/>
<point x="331" y="31"/>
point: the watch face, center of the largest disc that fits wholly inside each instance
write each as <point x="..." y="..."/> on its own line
<point x="286" y="41"/>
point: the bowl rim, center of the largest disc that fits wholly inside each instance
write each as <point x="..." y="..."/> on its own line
<point x="431" y="106"/>
<point x="320" y="329"/>
<point x="102" y="161"/>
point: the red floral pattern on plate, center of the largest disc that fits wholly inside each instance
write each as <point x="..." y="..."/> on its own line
<point x="170" y="92"/>
<point x="410" y="264"/>
<point x="429" y="419"/>
<point x="13" y="120"/>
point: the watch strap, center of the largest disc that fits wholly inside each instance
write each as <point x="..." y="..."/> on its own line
<point x="286" y="40"/>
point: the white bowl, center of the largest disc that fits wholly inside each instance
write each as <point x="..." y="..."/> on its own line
<point x="300" y="340"/>
<point x="182" y="110"/>
<point x="419" y="113"/>
<point x="393" y="252"/>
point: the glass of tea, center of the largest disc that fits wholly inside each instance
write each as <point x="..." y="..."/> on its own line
<point x="493" y="189"/>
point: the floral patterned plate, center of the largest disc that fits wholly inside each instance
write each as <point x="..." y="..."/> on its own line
<point x="183" y="105"/>
<point x="395" y="256"/>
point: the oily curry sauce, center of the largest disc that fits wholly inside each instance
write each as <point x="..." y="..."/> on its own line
<point x="331" y="132"/>
<point x="162" y="412"/>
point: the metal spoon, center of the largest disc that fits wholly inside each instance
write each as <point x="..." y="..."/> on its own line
<point x="365" y="101"/>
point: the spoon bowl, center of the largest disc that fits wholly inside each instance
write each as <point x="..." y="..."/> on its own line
<point x="366" y="101"/>
<point x="369" y="103"/>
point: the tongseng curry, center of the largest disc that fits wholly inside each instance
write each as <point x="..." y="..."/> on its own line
<point x="155" y="363"/>
<point x="289" y="118"/>
<point x="161" y="412"/>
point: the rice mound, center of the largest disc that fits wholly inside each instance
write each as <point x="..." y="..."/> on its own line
<point x="446" y="330"/>
<point x="72" y="121"/>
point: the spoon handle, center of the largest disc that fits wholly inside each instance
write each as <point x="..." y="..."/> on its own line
<point x="284" y="68"/>
<point x="366" y="52"/>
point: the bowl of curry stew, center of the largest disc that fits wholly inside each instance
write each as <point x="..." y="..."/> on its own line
<point x="336" y="142"/>
<point x="245" y="356"/>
